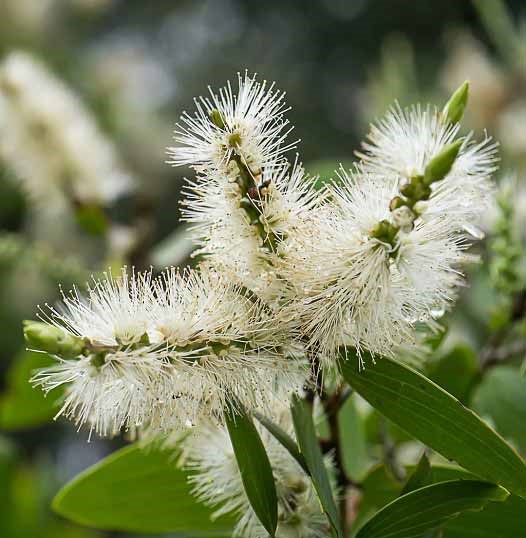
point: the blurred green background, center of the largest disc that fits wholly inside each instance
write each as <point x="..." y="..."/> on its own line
<point x="136" y="65"/>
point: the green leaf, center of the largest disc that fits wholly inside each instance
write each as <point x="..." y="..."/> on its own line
<point x="7" y="465"/>
<point x="455" y="371"/>
<point x="21" y="405"/>
<point x="424" y="509"/>
<point x="255" y="469"/>
<point x="418" y="477"/>
<point x="308" y="443"/>
<point x="139" y="490"/>
<point x="433" y="416"/>
<point x="502" y="520"/>
<point x="502" y="397"/>
<point x="353" y="440"/>
<point x="378" y="488"/>
<point x="285" y="439"/>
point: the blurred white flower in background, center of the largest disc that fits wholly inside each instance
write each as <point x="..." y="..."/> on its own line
<point x="496" y="100"/>
<point x="125" y="67"/>
<point x="39" y="18"/>
<point x="51" y="141"/>
<point x="468" y="59"/>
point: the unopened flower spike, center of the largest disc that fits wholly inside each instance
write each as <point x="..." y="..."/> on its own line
<point x="41" y="336"/>
<point x="440" y="165"/>
<point x="453" y="110"/>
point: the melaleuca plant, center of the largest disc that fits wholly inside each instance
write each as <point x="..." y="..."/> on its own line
<point x="240" y="369"/>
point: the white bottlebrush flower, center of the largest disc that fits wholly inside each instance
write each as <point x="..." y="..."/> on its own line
<point x="350" y="288"/>
<point x="249" y="126"/>
<point x="247" y="237"/>
<point x="208" y="454"/>
<point x="114" y="311"/>
<point x="159" y="355"/>
<point x="403" y="143"/>
<point x="118" y="391"/>
<point x="50" y="140"/>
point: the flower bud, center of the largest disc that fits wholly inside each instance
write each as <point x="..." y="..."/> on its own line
<point x="454" y="108"/>
<point x="44" y="337"/>
<point x="216" y="117"/>
<point x="440" y="165"/>
<point x="404" y="218"/>
<point x="384" y="231"/>
<point x="396" y="203"/>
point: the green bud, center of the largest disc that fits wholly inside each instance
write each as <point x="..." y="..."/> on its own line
<point x="234" y="140"/>
<point x="440" y="165"/>
<point x="454" y="108"/>
<point x="217" y="118"/>
<point x="384" y="231"/>
<point x="408" y="190"/>
<point x="97" y="360"/>
<point x="396" y="203"/>
<point x="44" y="337"/>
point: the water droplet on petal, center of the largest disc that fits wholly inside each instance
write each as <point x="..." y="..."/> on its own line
<point x="437" y="312"/>
<point x="474" y="231"/>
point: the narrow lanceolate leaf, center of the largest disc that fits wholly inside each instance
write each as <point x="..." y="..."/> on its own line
<point x="427" y="508"/>
<point x="433" y="416"/>
<point x="285" y="439"/>
<point x="310" y="449"/>
<point x="502" y="520"/>
<point x="418" y="477"/>
<point x="139" y="490"/>
<point x="255" y="469"/>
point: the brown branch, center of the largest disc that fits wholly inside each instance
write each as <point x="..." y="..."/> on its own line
<point x="494" y="352"/>
<point x="493" y="356"/>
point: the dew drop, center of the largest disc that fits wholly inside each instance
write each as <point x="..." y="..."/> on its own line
<point x="474" y="231"/>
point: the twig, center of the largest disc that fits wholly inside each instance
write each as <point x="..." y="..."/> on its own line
<point x="493" y="356"/>
<point x="493" y="352"/>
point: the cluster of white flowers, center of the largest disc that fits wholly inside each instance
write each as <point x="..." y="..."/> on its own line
<point x="51" y="142"/>
<point x="208" y="454"/>
<point x="246" y="203"/>
<point x="289" y="276"/>
<point x="156" y="355"/>
<point x="360" y="263"/>
<point x="288" y="271"/>
<point x="389" y="252"/>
